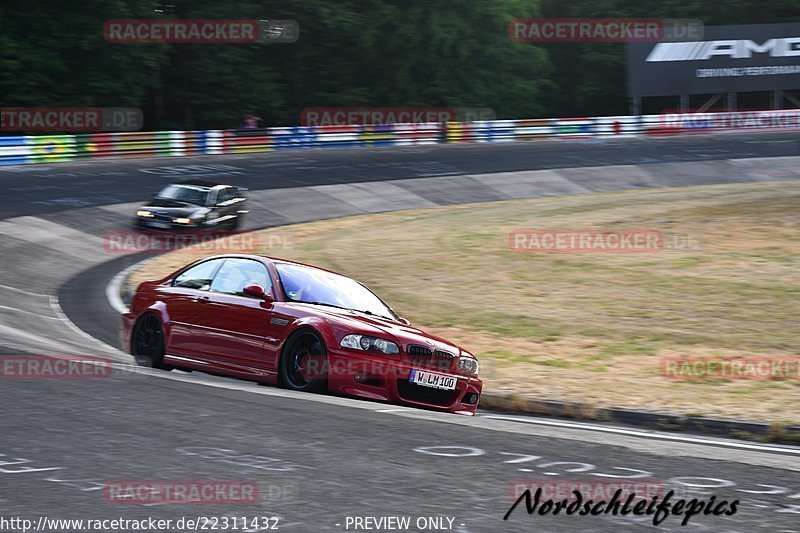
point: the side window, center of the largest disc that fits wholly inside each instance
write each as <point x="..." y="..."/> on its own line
<point x="225" y="195"/>
<point x="198" y="277"/>
<point x="236" y="274"/>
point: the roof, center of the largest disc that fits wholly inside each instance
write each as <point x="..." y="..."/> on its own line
<point x="200" y="183"/>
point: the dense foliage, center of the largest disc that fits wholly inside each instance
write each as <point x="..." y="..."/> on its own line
<point x="383" y="53"/>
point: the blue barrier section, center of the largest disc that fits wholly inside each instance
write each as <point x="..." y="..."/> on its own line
<point x="294" y="138"/>
<point x="502" y="130"/>
<point x="201" y="142"/>
<point x="13" y="151"/>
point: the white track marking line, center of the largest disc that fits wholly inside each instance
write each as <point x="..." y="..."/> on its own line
<point x="645" y="434"/>
<point x="28" y="312"/>
<point x="60" y="315"/>
<point x="8" y="287"/>
<point x="112" y="289"/>
<point x="38" y="340"/>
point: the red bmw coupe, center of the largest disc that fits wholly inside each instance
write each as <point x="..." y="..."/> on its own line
<point x="302" y="327"/>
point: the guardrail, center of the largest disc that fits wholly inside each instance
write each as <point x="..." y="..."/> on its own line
<point x="27" y="149"/>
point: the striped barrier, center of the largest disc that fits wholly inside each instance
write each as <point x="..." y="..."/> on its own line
<point x="573" y="128"/>
<point x="14" y="151"/>
<point x="24" y="149"/>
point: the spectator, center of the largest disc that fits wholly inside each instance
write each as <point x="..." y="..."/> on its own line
<point x="251" y="121"/>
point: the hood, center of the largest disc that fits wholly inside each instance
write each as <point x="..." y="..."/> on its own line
<point x="172" y="208"/>
<point x="381" y="327"/>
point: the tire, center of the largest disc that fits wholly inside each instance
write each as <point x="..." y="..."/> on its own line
<point x="303" y="362"/>
<point x="235" y="223"/>
<point x="147" y="343"/>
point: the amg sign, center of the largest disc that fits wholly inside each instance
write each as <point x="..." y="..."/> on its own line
<point x="758" y="57"/>
<point x="741" y="49"/>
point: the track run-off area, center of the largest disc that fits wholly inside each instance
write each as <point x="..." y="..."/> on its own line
<point x="321" y="461"/>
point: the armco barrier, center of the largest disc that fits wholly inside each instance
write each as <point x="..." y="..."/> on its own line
<point x="20" y="150"/>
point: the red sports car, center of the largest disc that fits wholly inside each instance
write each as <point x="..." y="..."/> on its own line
<point x="302" y="327"/>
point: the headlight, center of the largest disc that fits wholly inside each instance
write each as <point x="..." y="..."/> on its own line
<point x="468" y="364"/>
<point x="365" y="343"/>
<point x="182" y="220"/>
<point x="147" y="214"/>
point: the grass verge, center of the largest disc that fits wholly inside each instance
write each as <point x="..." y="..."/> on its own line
<point x="589" y="328"/>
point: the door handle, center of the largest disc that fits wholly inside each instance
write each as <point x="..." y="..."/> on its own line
<point x="201" y="299"/>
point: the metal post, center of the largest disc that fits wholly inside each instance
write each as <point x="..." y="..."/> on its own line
<point x="777" y="99"/>
<point x="636" y="106"/>
<point x="730" y="102"/>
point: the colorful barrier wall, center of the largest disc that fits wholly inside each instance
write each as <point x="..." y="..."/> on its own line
<point x="26" y="149"/>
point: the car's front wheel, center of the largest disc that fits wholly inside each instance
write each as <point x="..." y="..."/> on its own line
<point x="147" y="345"/>
<point x="303" y="362"/>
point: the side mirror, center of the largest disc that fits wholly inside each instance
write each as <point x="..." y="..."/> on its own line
<point x="405" y="321"/>
<point x="257" y="291"/>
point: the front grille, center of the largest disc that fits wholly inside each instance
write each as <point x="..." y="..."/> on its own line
<point x="417" y="393"/>
<point x="415" y="350"/>
<point x="424" y="356"/>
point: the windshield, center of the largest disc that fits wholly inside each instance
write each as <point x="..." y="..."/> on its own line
<point x="184" y="193"/>
<point x="311" y="285"/>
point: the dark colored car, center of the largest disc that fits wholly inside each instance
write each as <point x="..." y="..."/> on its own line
<point x="302" y="327"/>
<point x="193" y="205"/>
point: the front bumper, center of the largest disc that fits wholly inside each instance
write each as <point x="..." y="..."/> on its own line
<point x="388" y="379"/>
<point x="159" y="224"/>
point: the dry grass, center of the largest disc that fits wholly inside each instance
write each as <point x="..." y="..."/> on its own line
<point x="589" y="328"/>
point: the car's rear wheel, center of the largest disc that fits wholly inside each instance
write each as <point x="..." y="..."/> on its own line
<point x="147" y="344"/>
<point x="303" y="362"/>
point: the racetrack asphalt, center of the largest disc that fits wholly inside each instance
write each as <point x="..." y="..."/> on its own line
<point x="317" y="459"/>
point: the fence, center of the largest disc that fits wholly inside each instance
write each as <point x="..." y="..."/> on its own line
<point x="20" y="150"/>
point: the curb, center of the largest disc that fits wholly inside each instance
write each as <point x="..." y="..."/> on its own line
<point x="735" y="429"/>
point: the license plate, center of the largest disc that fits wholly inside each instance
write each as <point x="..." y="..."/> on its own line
<point x="158" y="224"/>
<point x="432" y="380"/>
